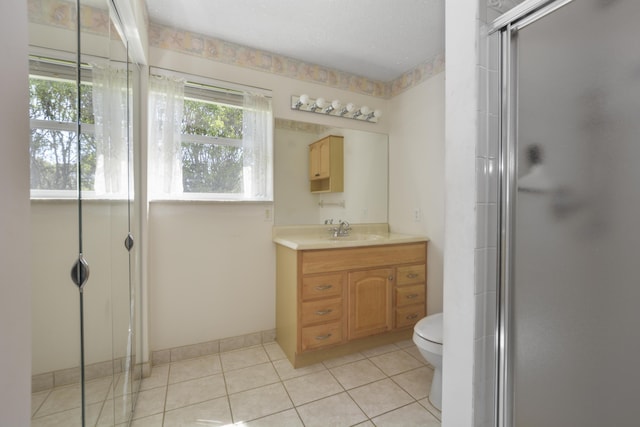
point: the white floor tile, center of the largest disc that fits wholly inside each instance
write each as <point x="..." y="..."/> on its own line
<point x="214" y="412"/>
<point x="338" y="410"/>
<point x="312" y="387"/>
<point x="380" y="397"/>
<point x="195" y="391"/>
<point x="259" y="402"/>
<point x="251" y="377"/>
<point x="258" y="387"/>
<point x="357" y="374"/>
<point x="413" y="415"/>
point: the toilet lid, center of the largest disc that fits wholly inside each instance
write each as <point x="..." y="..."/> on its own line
<point x="430" y="328"/>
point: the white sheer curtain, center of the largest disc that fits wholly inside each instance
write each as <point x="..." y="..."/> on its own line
<point x="166" y="106"/>
<point x="257" y="145"/>
<point x="110" y="96"/>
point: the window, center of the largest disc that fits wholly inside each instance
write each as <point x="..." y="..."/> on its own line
<point x="53" y="118"/>
<point x="212" y="155"/>
<point x="103" y="152"/>
<point x="208" y="143"/>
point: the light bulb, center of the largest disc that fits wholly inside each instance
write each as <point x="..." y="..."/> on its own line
<point x="320" y="102"/>
<point x="377" y="113"/>
<point x="335" y="104"/>
<point x="347" y="109"/>
<point x="304" y="99"/>
<point x="365" y="110"/>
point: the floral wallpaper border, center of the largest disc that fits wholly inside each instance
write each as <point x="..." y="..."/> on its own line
<point x="62" y="14"/>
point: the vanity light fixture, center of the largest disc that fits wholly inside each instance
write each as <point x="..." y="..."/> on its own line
<point x="301" y="102"/>
<point x="318" y="105"/>
<point x="335" y="108"/>
<point x="347" y="109"/>
<point x="335" y="104"/>
<point x="374" y="114"/>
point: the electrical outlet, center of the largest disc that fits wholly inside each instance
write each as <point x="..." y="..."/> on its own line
<point x="267" y="214"/>
<point x="417" y="215"/>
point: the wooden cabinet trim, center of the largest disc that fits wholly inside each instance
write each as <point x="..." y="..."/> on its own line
<point x="328" y="260"/>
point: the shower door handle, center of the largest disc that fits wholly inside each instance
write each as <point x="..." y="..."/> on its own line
<point x="80" y="272"/>
<point x="128" y="242"/>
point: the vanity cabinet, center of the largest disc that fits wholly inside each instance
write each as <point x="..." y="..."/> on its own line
<point x="326" y="165"/>
<point x="331" y="302"/>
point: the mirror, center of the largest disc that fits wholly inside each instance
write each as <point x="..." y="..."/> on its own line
<point x="365" y="195"/>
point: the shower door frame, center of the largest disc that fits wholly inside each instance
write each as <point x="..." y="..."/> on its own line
<point x="508" y="26"/>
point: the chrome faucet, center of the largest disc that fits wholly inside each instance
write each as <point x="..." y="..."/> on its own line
<point x="341" y="230"/>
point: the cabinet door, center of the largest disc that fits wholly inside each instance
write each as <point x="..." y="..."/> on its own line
<point x="370" y="302"/>
<point x="320" y="159"/>
<point x="325" y="158"/>
<point x="314" y="161"/>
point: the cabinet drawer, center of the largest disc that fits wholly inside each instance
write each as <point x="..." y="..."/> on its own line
<point x="408" y="295"/>
<point x="329" y="260"/>
<point x="411" y="274"/>
<point x="314" y="337"/>
<point x="322" y="310"/>
<point x="327" y="285"/>
<point x="409" y="316"/>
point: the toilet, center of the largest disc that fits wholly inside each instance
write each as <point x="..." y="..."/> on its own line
<point x="427" y="335"/>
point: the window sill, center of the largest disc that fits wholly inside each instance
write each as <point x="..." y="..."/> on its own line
<point x="212" y="201"/>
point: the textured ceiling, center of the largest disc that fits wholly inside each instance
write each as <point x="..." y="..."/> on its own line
<point x="377" y="39"/>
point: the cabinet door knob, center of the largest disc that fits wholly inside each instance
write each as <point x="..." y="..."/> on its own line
<point x="323" y="337"/>
<point x="390" y="277"/>
<point x="323" y="312"/>
<point x="323" y="287"/>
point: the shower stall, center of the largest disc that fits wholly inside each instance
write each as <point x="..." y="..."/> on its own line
<point x="85" y="217"/>
<point x="569" y="317"/>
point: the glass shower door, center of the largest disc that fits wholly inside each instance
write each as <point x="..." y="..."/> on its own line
<point x="83" y="213"/>
<point x="107" y="218"/>
<point x="572" y="195"/>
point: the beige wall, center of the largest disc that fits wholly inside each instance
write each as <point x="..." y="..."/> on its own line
<point x="15" y="310"/>
<point x="416" y="179"/>
<point x="211" y="272"/>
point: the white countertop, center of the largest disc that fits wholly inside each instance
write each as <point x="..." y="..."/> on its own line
<point x="318" y="237"/>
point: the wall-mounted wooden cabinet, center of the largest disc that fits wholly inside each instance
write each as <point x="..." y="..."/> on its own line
<point x="326" y="165"/>
<point x="331" y="302"/>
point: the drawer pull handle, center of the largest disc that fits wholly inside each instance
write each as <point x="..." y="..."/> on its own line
<point x="411" y="316"/>
<point x="323" y="287"/>
<point x="323" y="312"/>
<point x="323" y="337"/>
<point x="412" y="296"/>
<point x="412" y="275"/>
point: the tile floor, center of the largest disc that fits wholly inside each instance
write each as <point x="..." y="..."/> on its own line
<point x="257" y="386"/>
